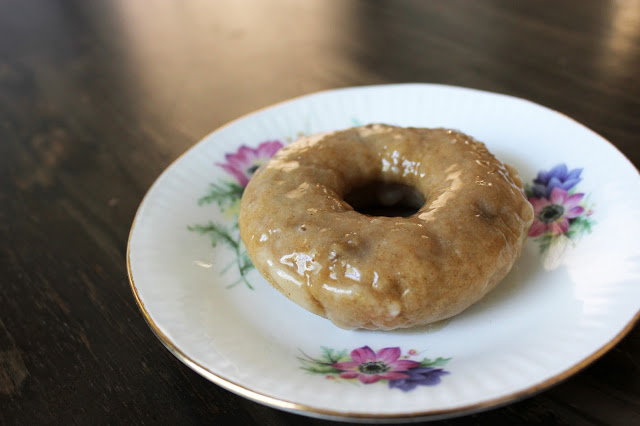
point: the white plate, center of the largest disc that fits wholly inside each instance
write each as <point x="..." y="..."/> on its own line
<point x="555" y="313"/>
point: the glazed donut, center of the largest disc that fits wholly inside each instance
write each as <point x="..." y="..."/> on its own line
<point x="378" y="272"/>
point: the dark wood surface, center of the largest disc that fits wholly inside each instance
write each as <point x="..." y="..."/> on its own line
<point x="97" y="98"/>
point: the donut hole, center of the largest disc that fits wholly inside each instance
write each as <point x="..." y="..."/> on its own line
<point x="389" y="199"/>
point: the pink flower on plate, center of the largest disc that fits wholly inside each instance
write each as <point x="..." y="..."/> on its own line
<point x="369" y="366"/>
<point x="553" y="214"/>
<point x="243" y="163"/>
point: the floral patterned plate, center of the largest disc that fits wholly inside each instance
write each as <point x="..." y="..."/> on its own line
<point x="572" y="295"/>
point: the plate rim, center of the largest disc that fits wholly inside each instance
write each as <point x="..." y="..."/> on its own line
<point x="304" y="409"/>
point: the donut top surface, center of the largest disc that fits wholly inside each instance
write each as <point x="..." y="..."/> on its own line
<point x="378" y="272"/>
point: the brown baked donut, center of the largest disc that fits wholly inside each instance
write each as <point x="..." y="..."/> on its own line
<point x="377" y="272"/>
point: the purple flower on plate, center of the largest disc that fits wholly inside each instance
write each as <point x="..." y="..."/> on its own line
<point x="369" y="366"/>
<point x="558" y="177"/>
<point x="243" y="163"/>
<point x="553" y="214"/>
<point x="562" y="213"/>
<point x="420" y="376"/>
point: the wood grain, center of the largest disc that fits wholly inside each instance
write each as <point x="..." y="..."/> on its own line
<point x="97" y="98"/>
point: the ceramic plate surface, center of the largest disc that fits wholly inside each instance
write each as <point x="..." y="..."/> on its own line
<point x="571" y="296"/>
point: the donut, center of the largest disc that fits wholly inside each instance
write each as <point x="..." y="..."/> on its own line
<point x="362" y="270"/>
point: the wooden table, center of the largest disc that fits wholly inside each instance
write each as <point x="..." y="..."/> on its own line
<point x="97" y="98"/>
